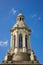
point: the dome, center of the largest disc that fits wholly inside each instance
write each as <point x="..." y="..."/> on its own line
<point x="20" y="14"/>
<point x="20" y="23"/>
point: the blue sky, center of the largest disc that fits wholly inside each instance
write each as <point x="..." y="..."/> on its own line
<point x="33" y="12"/>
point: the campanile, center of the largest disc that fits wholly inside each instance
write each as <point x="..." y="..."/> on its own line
<point x="20" y="51"/>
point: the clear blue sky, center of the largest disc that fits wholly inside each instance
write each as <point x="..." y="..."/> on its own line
<point x="33" y="12"/>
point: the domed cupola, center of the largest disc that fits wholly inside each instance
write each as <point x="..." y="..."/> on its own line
<point x="20" y="17"/>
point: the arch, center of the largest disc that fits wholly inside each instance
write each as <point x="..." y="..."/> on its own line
<point x="14" y="40"/>
<point x="20" y="18"/>
<point x="20" y="41"/>
<point x="26" y="40"/>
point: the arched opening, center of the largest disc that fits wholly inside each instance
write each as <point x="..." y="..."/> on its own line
<point x="20" y="18"/>
<point x="14" y="40"/>
<point x="20" y="41"/>
<point x="26" y="41"/>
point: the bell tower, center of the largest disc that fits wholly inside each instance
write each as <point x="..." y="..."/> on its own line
<point x="20" y="51"/>
<point x="20" y="35"/>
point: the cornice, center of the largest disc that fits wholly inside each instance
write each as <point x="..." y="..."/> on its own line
<point x="20" y="28"/>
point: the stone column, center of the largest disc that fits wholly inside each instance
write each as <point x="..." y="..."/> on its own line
<point x="24" y="45"/>
<point x="12" y="43"/>
<point x="28" y="44"/>
<point x="16" y="44"/>
<point x="17" y="39"/>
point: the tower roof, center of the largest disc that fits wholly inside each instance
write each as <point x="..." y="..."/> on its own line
<point x="20" y="23"/>
<point x="20" y="14"/>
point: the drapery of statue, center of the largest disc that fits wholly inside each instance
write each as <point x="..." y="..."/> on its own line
<point x="20" y="51"/>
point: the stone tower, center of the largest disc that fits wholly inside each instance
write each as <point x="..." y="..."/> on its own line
<point x="20" y="51"/>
